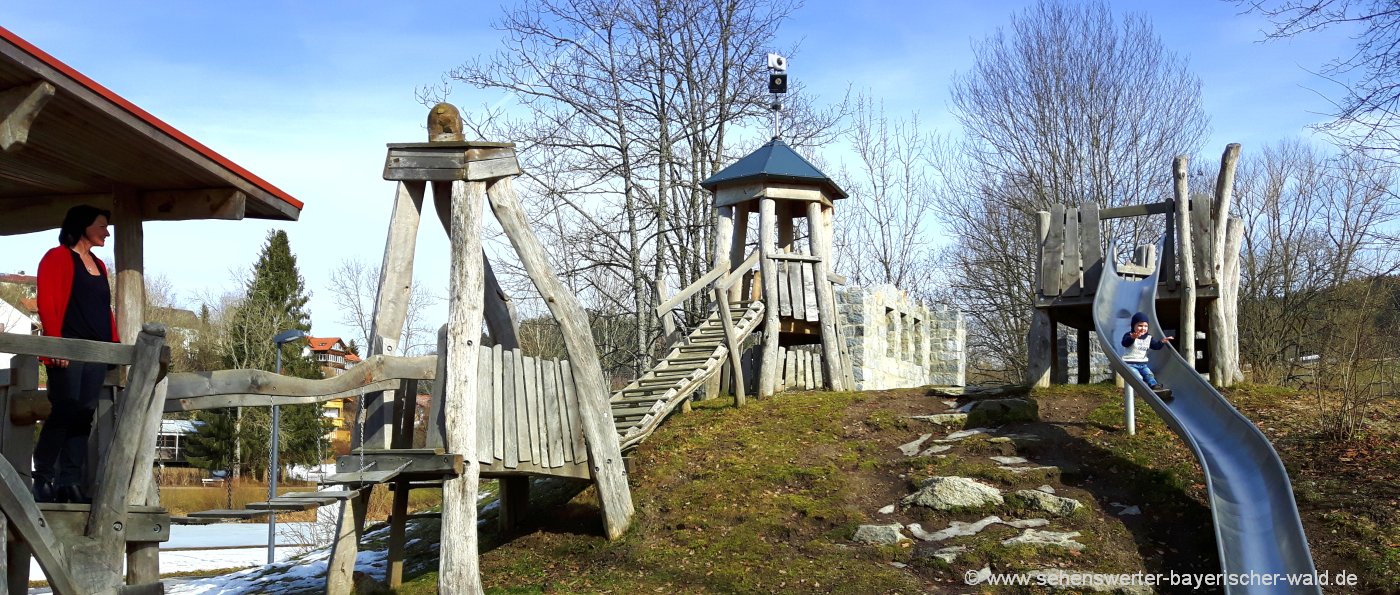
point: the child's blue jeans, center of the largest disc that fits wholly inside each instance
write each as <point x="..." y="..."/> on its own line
<point x="1143" y="371"/>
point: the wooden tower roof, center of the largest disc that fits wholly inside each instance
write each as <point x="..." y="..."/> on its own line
<point x="774" y="162"/>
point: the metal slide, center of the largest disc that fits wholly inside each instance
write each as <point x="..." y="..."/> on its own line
<point x="1257" y="527"/>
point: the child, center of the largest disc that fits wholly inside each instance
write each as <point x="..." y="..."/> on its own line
<point x="1138" y="341"/>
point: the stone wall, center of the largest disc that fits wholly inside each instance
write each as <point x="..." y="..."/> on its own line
<point x="896" y="342"/>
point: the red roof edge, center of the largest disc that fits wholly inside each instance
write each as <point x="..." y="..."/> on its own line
<point x="145" y="116"/>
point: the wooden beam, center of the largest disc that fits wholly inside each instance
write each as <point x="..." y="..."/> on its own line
<point x="1152" y="208"/>
<point x="391" y="307"/>
<point x="183" y="205"/>
<point x="19" y="106"/>
<point x="605" y="456"/>
<point x="460" y="568"/>
<point x="1220" y="208"/>
<point x="694" y="287"/>
<point x="767" y="244"/>
<point x="1186" y="331"/>
<point x="502" y="321"/>
<point x="70" y="349"/>
<point x="130" y="295"/>
<point x="26" y="520"/>
<point x="200" y="390"/>
<point x="340" y="569"/>
<point x="738" y="242"/>
<point x="826" y="300"/>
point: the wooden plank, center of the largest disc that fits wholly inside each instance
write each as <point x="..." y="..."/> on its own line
<point x="437" y="414"/>
<point x="485" y="402"/>
<point x="1052" y="252"/>
<point x="581" y="452"/>
<point x="549" y="372"/>
<point x="739" y="265"/>
<point x="793" y="257"/>
<point x="1090" y="247"/>
<point x="1169" y="264"/>
<point x="241" y="514"/>
<point x="789" y="372"/>
<point x="498" y="402"/>
<point x="1154" y="208"/>
<point x="542" y="419"/>
<point x="820" y="380"/>
<point x="534" y="413"/>
<point x="1070" y="273"/>
<point x="795" y="293"/>
<point x="510" y="417"/>
<point x="784" y="291"/>
<point x="768" y="371"/>
<point x="69" y="349"/>
<point x="732" y="344"/>
<point x="490" y="169"/>
<point x="809" y="291"/>
<point x="1202" y="236"/>
<point x="695" y="286"/>
<point x="340" y="568"/>
<point x="566" y="430"/>
<point x="458" y="554"/>
<point x="26" y="520"/>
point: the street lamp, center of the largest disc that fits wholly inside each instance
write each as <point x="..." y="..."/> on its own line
<point x="279" y="340"/>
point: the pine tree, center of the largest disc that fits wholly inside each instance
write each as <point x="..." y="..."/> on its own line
<point x="211" y="446"/>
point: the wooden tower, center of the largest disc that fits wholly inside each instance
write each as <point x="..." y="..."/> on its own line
<point x="800" y="303"/>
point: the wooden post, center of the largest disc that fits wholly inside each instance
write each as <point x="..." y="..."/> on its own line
<point x="340" y="568"/>
<point x="1229" y="285"/>
<point x="767" y="244"/>
<point x="17" y="448"/>
<point x="130" y="298"/>
<point x="731" y="342"/>
<point x="737" y="244"/>
<point x="1186" y="330"/>
<point x="724" y="242"/>
<point x="826" y="298"/>
<point x="1038" y="337"/>
<point x="460" y="568"/>
<point x="828" y="233"/>
<point x="668" y="321"/>
<point x="143" y="558"/>
<point x="1220" y="207"/>
<point x="398" y="515"/>
<point x="604" y="455"/>
<point x="391" y="308"/>
<point x="1222" y="357"/>
<point x="501" y="318"/>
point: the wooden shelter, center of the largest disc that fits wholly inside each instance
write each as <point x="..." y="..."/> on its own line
<point x="66" y="140"/>
<point x="797" y="285"/>
<point x="1200" y="252"/>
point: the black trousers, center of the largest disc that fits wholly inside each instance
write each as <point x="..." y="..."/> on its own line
<point x="63" y="437"/>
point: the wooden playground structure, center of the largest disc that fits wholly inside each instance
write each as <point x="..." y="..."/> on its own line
<point x="1197" y="290"/>
<point x="495" y="411"/>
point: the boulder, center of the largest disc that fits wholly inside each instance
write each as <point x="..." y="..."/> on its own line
<point x="1061" y="539"/>
<point x="942" y="418"/>
<point x="1038" y="500"/>
<point x="881" y="534"/>
<point x="995" y="412"/>
<point x="953" y="493"/>
<point x="913" y="447"/>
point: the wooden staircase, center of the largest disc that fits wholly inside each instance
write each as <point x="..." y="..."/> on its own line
<point x="641" y="406"/>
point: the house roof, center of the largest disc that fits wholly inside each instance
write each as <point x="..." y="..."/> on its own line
<point x="323" y="343"/>
<point x="775" y="161"/>
<point x="179" y="426"/>
<point x="350" y="357"/>
<point x="86" y="142"/>
<point x="20" y="279"/>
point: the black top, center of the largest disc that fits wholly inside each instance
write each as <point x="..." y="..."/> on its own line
<point x="89" y="314"/>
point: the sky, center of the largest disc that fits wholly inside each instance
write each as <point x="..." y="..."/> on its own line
<point x="307" y="94"/>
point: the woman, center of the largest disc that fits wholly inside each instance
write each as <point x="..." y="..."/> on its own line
<point x="75" y="302"/>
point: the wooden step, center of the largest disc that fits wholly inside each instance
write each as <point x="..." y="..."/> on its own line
<point x="289" y="504"/>
<point x="363" y="477"/>
<point x="332" y="494"/>
<point x="630" y="411"/>
<point x="635" y="400"/>
<point x="229" y="514"/>
<point x="690" y="359"/>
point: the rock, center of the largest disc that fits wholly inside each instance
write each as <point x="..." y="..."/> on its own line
<point x="962" y="529"/>
<point x="365" y="584"/>
<point x="1046" y="538"/>
<point x="942" y="418"/>
<point x="1009" y="460"/>
<point x="960" y="434"/>
<point x="1047" y="489"/>
<point x="951" y="404"/>
<point x="995" y="412"/>
<point x="1038" y="500"/>
<point x="913" y="447"/>
<point x="950" y="493"/>
<point x="934" y="449"/>
<point x="887" y="510"/>
<point x="1058" y="579"/>
<point x="881" y="534"/>
<point x="1129" y="511"/>
<point x="899" y="565"/>
<point x="948" y="554"/>
<point x="976" y="577"/>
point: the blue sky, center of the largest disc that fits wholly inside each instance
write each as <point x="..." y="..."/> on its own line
<point x="306" y="94"/>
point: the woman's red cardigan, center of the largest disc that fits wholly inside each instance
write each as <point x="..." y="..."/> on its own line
<point x="56" y="285"/>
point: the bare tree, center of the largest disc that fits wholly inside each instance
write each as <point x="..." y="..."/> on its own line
<point x="1367" y="116"/>
<point x="356" y="288"/>
<point x="1068" y="104"/>
<point x="893" y="193"/>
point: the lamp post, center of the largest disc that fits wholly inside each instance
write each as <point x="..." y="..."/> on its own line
<point x="279" y="340"/>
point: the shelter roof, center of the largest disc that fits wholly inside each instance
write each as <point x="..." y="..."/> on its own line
<point x="85" y="142"/>
<point x="775" y="161"/>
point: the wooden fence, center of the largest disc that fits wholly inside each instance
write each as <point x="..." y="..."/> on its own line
<point x="797" y="290"/>
<point x="801" y="370"/>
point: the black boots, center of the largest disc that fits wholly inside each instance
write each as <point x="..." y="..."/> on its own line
<point x="47" y="492"/>
<point x="43" y="491"/>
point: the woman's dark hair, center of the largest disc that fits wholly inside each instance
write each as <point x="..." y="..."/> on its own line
<point x="77" y="221"/>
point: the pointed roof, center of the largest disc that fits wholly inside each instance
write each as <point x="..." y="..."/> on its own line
<point x="775" y="162"/>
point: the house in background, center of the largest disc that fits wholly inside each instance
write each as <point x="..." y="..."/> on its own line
<point x="334" y="357"/>
<point x="19" y="312"/>
<point x="169" y="442"/>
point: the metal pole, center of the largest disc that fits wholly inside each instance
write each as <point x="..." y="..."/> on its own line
<point x="1129" y="416"/>
<point x="272" y="474"/>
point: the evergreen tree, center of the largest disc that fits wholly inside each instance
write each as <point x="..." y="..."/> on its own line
<point x="211" y="446"/>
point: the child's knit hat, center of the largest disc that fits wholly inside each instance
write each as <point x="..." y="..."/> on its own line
<point x="1139" y="317"/>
